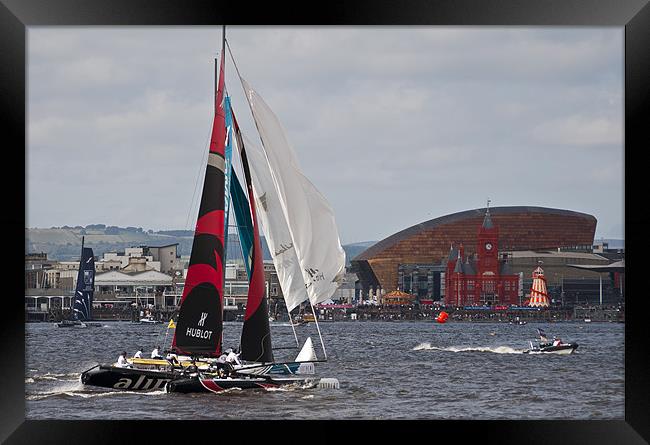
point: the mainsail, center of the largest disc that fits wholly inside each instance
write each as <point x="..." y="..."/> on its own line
<point x="83" y="295"/>
<point x="200" y="319"/>
<point x="308" y="215"/>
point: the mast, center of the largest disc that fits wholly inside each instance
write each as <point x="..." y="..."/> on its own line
<point x="200" y="320"/>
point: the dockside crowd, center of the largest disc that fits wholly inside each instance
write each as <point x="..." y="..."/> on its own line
<point x="397" y="313"/>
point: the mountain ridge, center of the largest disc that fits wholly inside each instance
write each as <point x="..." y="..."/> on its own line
<point x="63" y="243"/>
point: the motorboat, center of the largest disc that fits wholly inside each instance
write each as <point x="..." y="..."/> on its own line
<point x="149" y="320"/>
<point x="557" y="346"/>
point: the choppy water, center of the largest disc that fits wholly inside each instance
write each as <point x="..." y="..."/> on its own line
<point x="387" y="370"/>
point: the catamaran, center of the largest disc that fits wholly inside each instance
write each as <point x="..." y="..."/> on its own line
<point x="83" y="295"/>
<point x="301" y="232"/>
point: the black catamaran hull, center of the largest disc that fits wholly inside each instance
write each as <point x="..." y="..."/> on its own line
<point x="132" y="379"/>
<point x="206" y="385"/>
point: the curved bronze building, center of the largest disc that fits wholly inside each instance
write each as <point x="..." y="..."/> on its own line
<point x="520" y="228"/>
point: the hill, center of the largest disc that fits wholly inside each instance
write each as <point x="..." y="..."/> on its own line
<point x="64" y="243"/>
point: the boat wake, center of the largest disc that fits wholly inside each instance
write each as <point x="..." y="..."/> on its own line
<point x="496" y="350"/>
<point x="77" y="389"/>
<point x="53" y="376"/>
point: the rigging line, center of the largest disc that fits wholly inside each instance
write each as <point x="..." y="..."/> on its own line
<point x="313" y="311"/>
<point x="273" y="174"/>
<point x="198" y="176"/>
<point x="293" y="327"/>
<point x="232" y="58"/>
<point x="250" y="107"/>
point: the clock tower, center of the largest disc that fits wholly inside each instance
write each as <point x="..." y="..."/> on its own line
<point x="487" y="247"/>
<point x="484" y="280"/>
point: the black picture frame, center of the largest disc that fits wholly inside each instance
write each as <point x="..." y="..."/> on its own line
<point x="634" y="15"/>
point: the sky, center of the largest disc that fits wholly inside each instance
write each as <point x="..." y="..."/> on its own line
<point x="394" y="125"/>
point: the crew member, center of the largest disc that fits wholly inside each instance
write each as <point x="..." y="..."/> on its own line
<point x="232" y="357"/>
<point x="155" y="353"/>
<point x="138" y="354"/>
<point x="121" y="361"/>
<point x="173" y="359"/>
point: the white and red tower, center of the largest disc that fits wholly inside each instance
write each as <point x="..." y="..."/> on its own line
<point x="538" y="295"/>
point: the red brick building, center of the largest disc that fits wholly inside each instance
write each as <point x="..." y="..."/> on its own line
<point x="482" y="279"/>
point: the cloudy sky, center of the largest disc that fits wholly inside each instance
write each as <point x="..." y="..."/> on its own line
<point x="394" y="125"/>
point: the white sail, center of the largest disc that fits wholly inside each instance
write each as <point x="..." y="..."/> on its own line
<point x="307" y="353"/>
<point x="276" y="231"/>
<point x="309" y="217"/>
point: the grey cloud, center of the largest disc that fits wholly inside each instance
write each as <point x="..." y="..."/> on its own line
<point x="393" y="125"/>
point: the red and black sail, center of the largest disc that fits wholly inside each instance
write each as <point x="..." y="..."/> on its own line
<point x="200" y="320"/>
<point x="256" y="332"/>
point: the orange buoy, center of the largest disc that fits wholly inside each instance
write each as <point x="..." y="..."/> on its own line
<point x="442" y="317"/>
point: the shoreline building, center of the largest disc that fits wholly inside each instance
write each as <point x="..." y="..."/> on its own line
<point x="414" y="260"/>
<point x="483" y="279"/>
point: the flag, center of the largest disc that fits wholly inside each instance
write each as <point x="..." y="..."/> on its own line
<point x="171" y="324"/>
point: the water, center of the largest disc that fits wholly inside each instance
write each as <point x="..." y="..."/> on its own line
<point x="386" y="370"/>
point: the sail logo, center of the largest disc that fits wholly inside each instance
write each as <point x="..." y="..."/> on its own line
<point x="201" y="322"/>
<point x="200" y="333"/>
<point x="283" y="248"/>
<point x="262" y="200"/>
<point x="315" y="275"/>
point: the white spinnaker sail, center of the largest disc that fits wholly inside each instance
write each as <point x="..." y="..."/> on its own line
<point x="276" y="231"/>
<point x="309" y="217"/>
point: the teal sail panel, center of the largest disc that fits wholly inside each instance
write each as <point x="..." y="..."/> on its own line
<point x="242" y="211"/>
<point x="227" y="169"/>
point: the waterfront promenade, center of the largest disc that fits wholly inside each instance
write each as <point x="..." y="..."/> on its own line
<point x="393" y="313"/>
